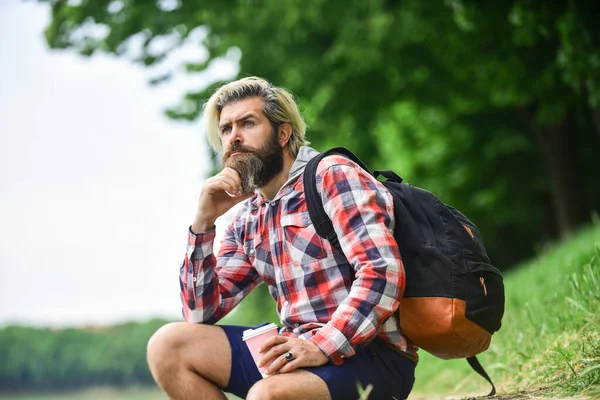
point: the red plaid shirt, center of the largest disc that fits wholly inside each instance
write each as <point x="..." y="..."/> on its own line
<point x="274" y="241"/>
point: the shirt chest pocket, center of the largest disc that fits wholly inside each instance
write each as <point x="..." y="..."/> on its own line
<point x="302" y="243"/>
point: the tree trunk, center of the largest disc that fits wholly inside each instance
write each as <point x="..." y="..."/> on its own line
<point x="596" y="119"/>
<point x="559" y="151"/>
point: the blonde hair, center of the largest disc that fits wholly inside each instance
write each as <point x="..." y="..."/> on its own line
<point x="279" y="107"/>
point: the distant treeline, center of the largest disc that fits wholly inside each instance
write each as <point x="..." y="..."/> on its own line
<point x="56" y="359"/>
<point x="49" y="359"/>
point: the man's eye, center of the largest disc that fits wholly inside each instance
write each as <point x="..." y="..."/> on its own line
<point x="225" y="129"/>
<point x="248" y="123"/>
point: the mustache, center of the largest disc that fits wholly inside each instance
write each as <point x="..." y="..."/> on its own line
<point x="238" y="148"/>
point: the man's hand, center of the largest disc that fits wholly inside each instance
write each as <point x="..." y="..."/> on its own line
<point x="219" y="194"/>
<point x="305" y="354"/>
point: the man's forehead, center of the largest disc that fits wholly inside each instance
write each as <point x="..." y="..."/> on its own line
<point x="239" y="109"/>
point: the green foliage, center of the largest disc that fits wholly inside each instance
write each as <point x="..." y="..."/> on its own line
<point x="479" y="102"/>
<point x="364" y="392"/>
<point x="457" y="95"/>
<point x="549" y="338"/>
<point x="257" y="308"/>
<point x="583" y="358"/>
<point x="71" y="358"/>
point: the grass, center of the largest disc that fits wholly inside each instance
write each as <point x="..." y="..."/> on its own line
<point x="550" y="337"/>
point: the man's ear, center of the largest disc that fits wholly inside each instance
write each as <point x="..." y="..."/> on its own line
<point x="284" y="134"/>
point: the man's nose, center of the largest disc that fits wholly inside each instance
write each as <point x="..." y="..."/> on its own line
<point x="235" y="135"/>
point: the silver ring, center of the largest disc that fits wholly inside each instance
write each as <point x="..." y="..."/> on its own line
<point x="288" y="356"/>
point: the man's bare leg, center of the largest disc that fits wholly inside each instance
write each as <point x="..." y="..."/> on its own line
<point x="296" y="385"/>
<point x="190" y="361"/>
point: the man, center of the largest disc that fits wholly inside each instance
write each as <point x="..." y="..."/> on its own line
<point x="337" y="330"/>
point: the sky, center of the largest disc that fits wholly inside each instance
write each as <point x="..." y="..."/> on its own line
<point x="97" y="186"/>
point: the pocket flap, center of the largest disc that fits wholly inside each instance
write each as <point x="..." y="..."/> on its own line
<point x="299" y="219"/>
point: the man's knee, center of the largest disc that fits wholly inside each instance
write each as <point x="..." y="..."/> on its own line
<point x="296" y="385"/>
<point x="265" y="389"/>
<point x="164" y="346"/>
<point x="179" y="347"/>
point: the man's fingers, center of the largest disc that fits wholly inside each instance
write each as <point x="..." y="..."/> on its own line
<point x="230" y="172"/>
<point x="289" y="366"/>
<point x="272" y="341"/>
<point x="304" y="354"/>
<point x="272" y="348"/>
<point x="224" y="186"/>
<point x="224" y="183"/>
<point x="272" y="354"/>
<point x="281" y="365"/>
<point x="232" y="175"/>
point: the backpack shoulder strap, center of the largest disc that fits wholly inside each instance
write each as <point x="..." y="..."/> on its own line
<point x="319" y="218"/>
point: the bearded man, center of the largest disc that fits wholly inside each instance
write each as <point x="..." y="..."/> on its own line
<point x="339" y="329"/>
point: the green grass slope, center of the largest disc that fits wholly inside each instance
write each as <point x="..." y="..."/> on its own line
<point x="550" y="335"/>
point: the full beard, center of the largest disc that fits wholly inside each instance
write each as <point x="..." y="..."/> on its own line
<point x="256" y="167"/>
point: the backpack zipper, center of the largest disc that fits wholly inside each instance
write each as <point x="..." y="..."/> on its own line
<point x="482" y="281"/>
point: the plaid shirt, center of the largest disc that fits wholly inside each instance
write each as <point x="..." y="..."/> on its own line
<point x="274" y="241"/>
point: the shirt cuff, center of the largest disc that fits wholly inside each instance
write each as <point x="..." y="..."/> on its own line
<point x="333" y="343"/>
<point x="201" y="245"/>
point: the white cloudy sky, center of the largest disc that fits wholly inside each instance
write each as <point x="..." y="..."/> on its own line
<point x="97" y="187"/>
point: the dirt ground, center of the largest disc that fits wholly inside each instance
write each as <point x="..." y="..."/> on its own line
<point x="532" y="395"/>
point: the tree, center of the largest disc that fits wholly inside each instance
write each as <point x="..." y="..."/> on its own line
<point x="493" y="105"/>
<point x="56" y="359"/>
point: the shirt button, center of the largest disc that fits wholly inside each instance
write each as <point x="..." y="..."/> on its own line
<point x="285" y="303"/>
<point x="194" y="279"/>
<point x="273" y="204"/>
<point x="297" y="325"/>
<point x="251" y="251"/>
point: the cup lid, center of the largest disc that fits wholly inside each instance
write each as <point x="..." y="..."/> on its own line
<point x="248" y="333"/>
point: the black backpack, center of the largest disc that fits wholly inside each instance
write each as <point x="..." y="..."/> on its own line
<point x="454" y="298"/>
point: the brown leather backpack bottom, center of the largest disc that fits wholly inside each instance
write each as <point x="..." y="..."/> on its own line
<point x="439" y="326"/>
